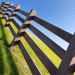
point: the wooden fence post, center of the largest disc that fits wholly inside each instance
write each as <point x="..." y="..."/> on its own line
<point x="2" y="6"/>
<point x="7" y="11"/>
<point x="65" y="64"/>
<point x="22" y="29"/>
<point x="12" y="15"/>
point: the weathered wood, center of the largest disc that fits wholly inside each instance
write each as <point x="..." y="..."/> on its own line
<point x="52" y="45"/>
<point x="12" y="30"/>
<point x="5" y="6"/>
<point x="23" y="27"/>
<point x="13" y="7"/>
<point x="44" y="59"/>
<point x="13" y="14"/>
<point x="8" y="15"/>
<point x="23" y="12"/>
<point x="59" y="32"/>
<point x="17" y="8"/>
<point x="28" y="59"/>
<point x="5" y="3"/>
<point x="16" y="24"/>
<point x="11" y="11"/>
<point x="7" y="11"/>
<point x="2" y="8"/>
<point x="19" y="18"/>
<point x="64" y="66"/>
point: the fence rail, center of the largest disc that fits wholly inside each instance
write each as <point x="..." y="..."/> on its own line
<point x="65" y="56"/>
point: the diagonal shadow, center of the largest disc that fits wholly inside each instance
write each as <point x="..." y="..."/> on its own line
<point x="13" y="67"/>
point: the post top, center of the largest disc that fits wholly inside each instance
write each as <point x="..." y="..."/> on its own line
<point x="18" y="7"/>
<point x="11" y="4"/>
<point x="32" y="12"/>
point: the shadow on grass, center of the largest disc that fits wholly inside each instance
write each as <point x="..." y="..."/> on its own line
<point x="13" y="68"/>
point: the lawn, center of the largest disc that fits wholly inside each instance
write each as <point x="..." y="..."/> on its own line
<point x="12" y="62"/>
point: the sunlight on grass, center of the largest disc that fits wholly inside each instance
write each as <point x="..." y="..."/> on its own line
<point x="47" y="51"/>
<point x="36" y="60"/>
<point x="20" y="62"/>
<point x="14" y="27"/>
<point x="12" y="62"/>
<point x="7" y="32"/>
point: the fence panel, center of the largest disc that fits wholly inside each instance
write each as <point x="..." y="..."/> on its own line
<point x="65" y="56"/>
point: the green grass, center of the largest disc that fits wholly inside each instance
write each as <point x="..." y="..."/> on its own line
<point x="12" y="62"/>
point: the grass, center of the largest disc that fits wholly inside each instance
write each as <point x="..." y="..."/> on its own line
<point x="12" y="62"/>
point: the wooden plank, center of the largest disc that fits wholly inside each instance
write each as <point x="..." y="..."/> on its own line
<point x="4" y="7"/>
<point x="16" y="24"/>
<point x="12" y="30"/>
<point x="13" y="7"/>
<point x="5" y="18"/>
<point x="23" y="12"/>
<point x="22" y="28"/>
<point x="5" y="14"/>
<point x="52" y="45"/>
<point x="64" y="66"/>
<point x="13" y="14"/>
<point x="59" y="32"/>
<point x="1" y="12"/>
<point x="8" y="15"/>
<point x="19" y="18"/>
<point x="28" y="59"/>
<point x="44" y="59"/>
<point x="9" y="11"/>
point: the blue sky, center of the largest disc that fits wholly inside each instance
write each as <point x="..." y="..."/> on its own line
<point x="61" y="13"/>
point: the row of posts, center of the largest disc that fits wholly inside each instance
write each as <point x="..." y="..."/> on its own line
<point x="27" y="21"/>
<point x="65" y="64"/>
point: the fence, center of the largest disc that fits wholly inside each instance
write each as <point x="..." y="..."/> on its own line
<point x="67" y="66"/>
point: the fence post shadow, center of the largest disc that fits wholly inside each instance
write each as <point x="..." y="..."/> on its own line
<point x="14" y="70"/>
<point x="65" y="56"/>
